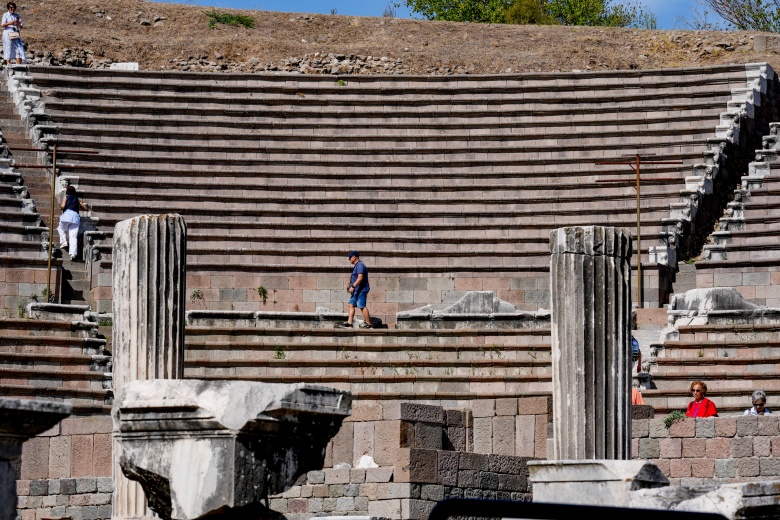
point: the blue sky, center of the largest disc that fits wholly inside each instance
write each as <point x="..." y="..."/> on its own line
<point x="667" y="11"/>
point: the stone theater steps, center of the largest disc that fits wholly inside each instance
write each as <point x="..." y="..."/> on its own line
<point x="280" y="174"/>
<point x="392" y="364"/>
<point x="733" y="359"/>
<point x="55" y="360"/>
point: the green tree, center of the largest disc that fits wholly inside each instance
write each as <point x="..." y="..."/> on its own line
<point x="747" y="15"/>
<point x="487" y="11"/>
<point x="599" y="13"/>
<point x="529" y="12"/>
<point x="566" y="12"/>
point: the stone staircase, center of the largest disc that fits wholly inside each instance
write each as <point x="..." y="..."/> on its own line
<point x="733" y="359"/>
<point x="55" y="360"/>
<point x="459" y="364"/>
<point x="445" y="184"/>
<point x="30" y="189"/>
<point x="744" y="253"/>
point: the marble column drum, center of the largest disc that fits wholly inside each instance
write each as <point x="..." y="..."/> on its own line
<point x="149" y="273"/>
<point x="590" y="278"/>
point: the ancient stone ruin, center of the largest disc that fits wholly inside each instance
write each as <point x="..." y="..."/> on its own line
<point x="201" y="448"/>
<point x="19" y="421"/>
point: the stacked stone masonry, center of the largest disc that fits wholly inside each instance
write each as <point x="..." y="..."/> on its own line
<point x="510" y="426"/>
<point x="66" y="471"/>
<point x="431" y="459"/>
<point x="711" y="450"/>
<point x="22" y="283"/>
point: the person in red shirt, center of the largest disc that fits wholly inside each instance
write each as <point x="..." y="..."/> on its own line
<point x="700" y="406"/>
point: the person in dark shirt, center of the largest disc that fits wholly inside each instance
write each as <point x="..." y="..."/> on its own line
<point x="358" y="288"/>
<point x="70" y="221"/>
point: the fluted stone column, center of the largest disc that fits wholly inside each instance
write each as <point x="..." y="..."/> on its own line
<point x="590" y="275"/>
<point x="148" y="332"/>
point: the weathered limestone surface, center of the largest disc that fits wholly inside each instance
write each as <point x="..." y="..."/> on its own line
<point x="734" y="501"/>
<point x="19" y="420"/>
<point x="474" y="309"/>
<point x="220" y="447"/>
<point x="591" y="309"/>
<point x="148" y="334"/>
<point x="592" y="482"/>
<point x="641" y="484"/>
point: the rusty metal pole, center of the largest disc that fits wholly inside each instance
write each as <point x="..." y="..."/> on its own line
<point x="638" y="237"/>
<point x="51" y="220"/>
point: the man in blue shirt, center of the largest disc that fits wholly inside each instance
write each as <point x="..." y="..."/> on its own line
<point x="358" y="289"/>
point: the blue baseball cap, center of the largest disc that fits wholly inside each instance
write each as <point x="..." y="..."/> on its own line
<point x="353" y="253"/>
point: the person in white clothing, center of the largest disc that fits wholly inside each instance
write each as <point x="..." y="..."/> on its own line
<point x="13" y="48"/>
<point x="70" y="222"/>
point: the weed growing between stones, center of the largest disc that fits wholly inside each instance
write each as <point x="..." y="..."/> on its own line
<point x="280" y="352"/>
<point x="672" y="418"/>
<point x="262" y="292"/>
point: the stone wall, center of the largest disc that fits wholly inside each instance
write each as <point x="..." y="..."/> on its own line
<point x="423" y="457"/>
<point x="512" y="426"/>
<point x="711" y="450"/>
<point x="757" y="285"/>
<point x="389" y="295"/>
<point x="66" y="471"/>
<point x="22" y="284"/>
<point x="238" y="291"/>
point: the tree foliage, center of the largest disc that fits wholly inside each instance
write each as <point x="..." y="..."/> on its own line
<point x="604" y="13"/>
<point x="488" y="11"/>
<point x="597" y="13"/>
<point x="529" y="12"/>
<point x="747" y="15"/>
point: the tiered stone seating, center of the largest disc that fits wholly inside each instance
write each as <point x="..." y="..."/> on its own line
<point x="433" y="365"/>
<point x="55" y="360"/>
<point x="745" y="253"/>
<point x="444" y="184"/>
<point x="733" y="359"/>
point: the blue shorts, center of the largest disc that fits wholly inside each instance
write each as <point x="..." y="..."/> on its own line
<point x="358" y="298"/>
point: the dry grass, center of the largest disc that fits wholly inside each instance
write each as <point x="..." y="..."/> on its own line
<point x="56" y="25"/>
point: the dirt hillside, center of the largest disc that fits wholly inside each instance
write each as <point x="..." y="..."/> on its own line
<point x="171" y="36"/>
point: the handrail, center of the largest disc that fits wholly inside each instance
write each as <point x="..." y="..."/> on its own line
<point x="53" y="153"/>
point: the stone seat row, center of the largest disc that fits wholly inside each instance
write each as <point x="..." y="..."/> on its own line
<point x="396" y="364"/>
<point x="367" y="162"/>
<point x="382" y="105"/>
<point x="306" y="122"/>
<point x="339" y="137"/>
<point x="194" y="80"/>
<point x="57" y="360"/>
<point x="470" y="116"/>
<point x="490" y="175"/>
<point x="54" y="77"/>
<point x="471" y="123"/>
<point x="733" y="359"/>
<point x="255" y="148"/>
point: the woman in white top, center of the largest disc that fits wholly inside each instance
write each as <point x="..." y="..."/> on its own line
<point x="759" y="404"/>
<point x="13" y="48"/>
